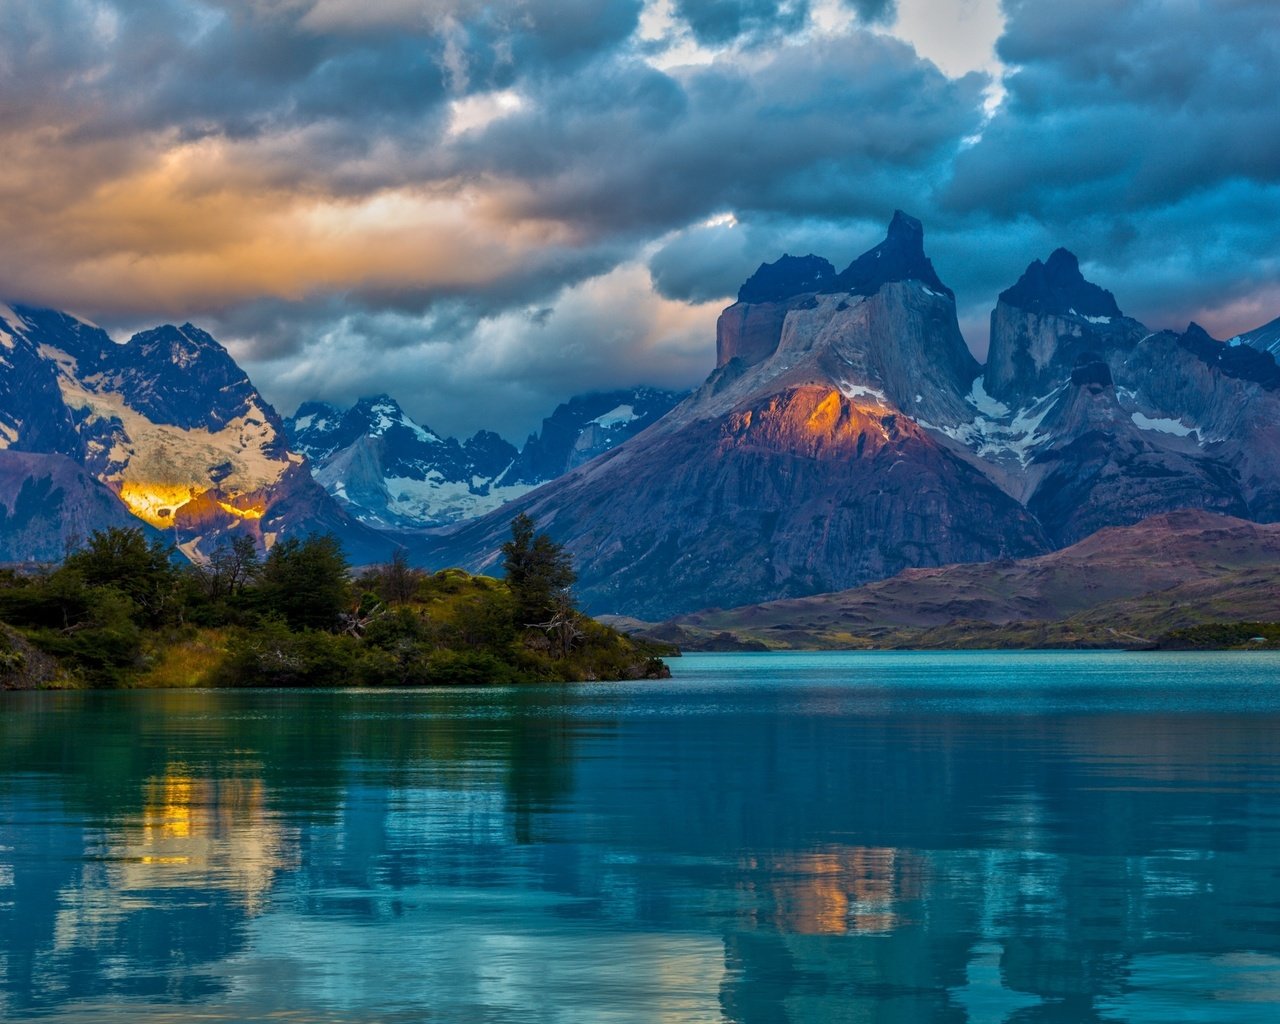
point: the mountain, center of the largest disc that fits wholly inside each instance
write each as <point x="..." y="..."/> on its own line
<point x="49" y="503"/>
<point x="847" y="433"/>
<point x="584" y="427"/>
<point x="1265" y="338"/>
<point x="796" y="468"/>
<point x="165" y="429"/>
<point x="1119" y="587"/>
<point x="389" y="471"/>
<point x="1090" y="419"/>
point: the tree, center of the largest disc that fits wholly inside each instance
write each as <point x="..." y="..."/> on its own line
<point x="306" y="582"/>
<point x="233" y="566"/>
<point x="397" y="581"/>
<point x="123" y="561"/>
<point x="539" y="573"/>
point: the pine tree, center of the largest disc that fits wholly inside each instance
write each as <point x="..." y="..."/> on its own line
<point x="539" y="573"/>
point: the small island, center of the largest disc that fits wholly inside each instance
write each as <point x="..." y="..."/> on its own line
<point x="121" y="612"/>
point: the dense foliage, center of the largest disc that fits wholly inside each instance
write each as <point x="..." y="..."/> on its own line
<point x="122" y="612"/>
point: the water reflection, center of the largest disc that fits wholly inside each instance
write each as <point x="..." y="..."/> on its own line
<point x="757" y="841"/>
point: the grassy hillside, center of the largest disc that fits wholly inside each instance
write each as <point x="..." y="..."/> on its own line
<point x="1121" y="587"/>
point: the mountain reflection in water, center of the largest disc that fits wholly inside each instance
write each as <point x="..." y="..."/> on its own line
<point x="982" y="837"/>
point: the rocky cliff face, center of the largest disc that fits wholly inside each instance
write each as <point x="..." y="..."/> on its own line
<point x="1092" y="420"/>
<point x="167" y="425"/>
<point x="847" y="431"/>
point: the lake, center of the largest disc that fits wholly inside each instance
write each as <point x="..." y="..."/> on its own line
<point x="881" y="837"/>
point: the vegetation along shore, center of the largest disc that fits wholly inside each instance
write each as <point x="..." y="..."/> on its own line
<point x="120" y="612"/>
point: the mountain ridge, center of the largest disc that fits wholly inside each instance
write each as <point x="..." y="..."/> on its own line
<point x="777" y="476"/>
<point x="1166" y="572"/>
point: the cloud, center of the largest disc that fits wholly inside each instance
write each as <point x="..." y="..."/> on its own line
<point x="496" y="204"/>
<point x="624" y="146"/>
<point x="1145" y="134"/>
<point x="723" y="21"/>
<point x="503" y="371"/>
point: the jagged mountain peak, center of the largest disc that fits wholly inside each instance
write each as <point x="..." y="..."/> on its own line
<point x="316" y="409"/>
<point x="1057" y="286"/>
<point x="183" y="346"/>
<point x="900" y="257"/>
<point x="79" y="339"/>
<point x="377" y="414"/>
<point x="1242" y="362"/>
<point x="786" y="277"/>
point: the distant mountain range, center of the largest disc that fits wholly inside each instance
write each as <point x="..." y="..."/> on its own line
<point x="847" y="434"/>
<point x="390" y="472"/>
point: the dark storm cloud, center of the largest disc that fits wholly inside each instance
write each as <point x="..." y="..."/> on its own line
<point x="721" y="21"/>
<point x="1117" y="108"/>
<point x="836" y="128"/>
<point x="1146" y="134"/>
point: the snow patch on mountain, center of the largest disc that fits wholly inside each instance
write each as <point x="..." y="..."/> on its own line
<point x="1161" y="425"/>
<point x="997" y="433"/>
<point x="862" y="391"/>
<point x="441" y="500"/>
<point x="616" y="416"/>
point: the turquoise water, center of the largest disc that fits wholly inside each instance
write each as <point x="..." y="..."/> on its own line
<point x="764" y="838"/>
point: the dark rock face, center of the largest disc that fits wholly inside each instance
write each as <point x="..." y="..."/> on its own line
<point x="159" y="369"/>
<point x="1092" y="370"/>
<point x="33" y="416"/>
<point x="900" y="257"/>
<point x="1045" y="324"/>
<point x="1239" y="361"/>
<point x="487" y="454"/>
<point x="1057" y="286"/>
<point x="749" y="333"/>
<point x="787" y="277"/>
<point x="49" y="504"/>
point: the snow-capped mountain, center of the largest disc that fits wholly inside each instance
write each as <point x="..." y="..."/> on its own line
<point x="847" y="434"/>
<point x="587" y="426"/>
<point x="167" y="423"/>
<point x="389" y="471"/>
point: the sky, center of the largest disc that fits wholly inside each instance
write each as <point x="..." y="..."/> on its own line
<point x="484" y="208"/>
